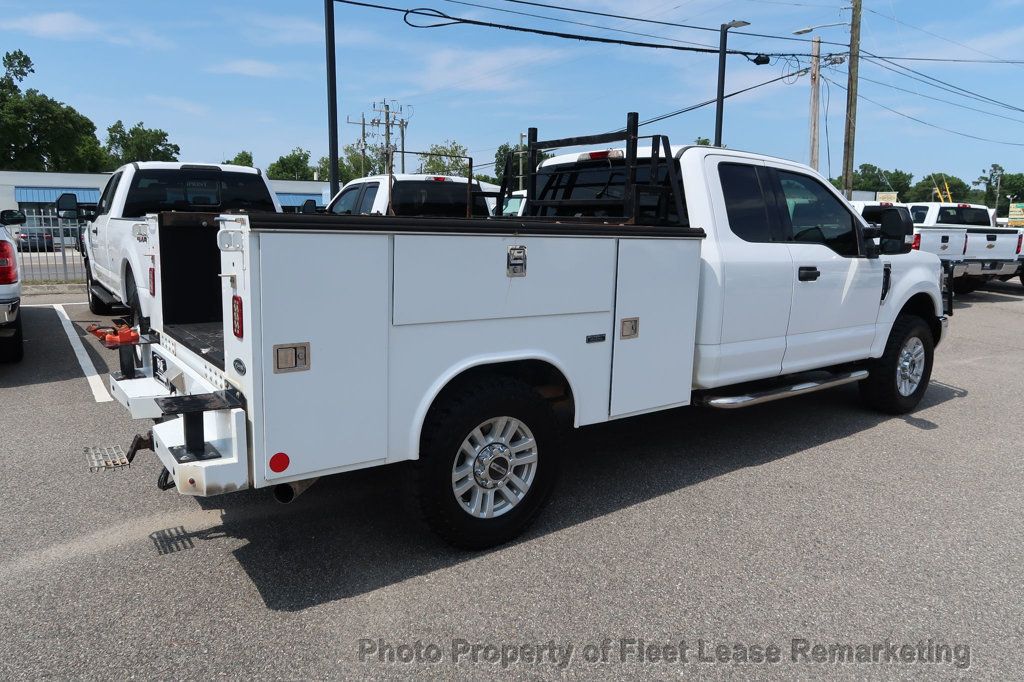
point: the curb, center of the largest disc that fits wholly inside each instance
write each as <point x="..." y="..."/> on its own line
<point x="37" y="289"/>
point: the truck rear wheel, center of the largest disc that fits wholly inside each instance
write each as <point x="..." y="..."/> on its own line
<point x="488" y="461"/>
<point x="12" y="348"/>
<point x="899" y="378"/>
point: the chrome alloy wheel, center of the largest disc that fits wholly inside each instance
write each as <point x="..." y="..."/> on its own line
<point x="495" y="467"/>
<point x="910" y="366"/>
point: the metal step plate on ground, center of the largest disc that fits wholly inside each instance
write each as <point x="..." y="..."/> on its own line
<point x="105" y="459"/>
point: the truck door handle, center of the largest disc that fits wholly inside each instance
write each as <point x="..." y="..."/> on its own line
<point x="808" y="273"/>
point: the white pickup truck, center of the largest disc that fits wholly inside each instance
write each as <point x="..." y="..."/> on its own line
<point x="311" y="345"/>
<point x="11" y="334"/>
<point x="116" y="271"/>
<point x="419" y="195"/>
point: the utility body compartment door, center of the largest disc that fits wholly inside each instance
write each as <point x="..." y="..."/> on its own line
<point x="324" y="310"/>
<point x="657" y="289"/>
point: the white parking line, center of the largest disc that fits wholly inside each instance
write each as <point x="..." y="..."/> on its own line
<point x="50" y="305"/>
<point x="99" y="391"/>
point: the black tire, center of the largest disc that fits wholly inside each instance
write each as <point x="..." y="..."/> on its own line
<point x="12" y="348"/>
<point x="132" y="299"/>
<point x="1022" y="279"/>
<point x="880" y="390"/>
<point x="96" y="305"/>
<point x="965" y="285"/>
<point x="448" y="424"/>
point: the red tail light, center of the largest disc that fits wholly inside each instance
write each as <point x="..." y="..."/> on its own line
<point x="8" y="263"/>
<point x="152" y="281"/>
<point x="917" y="242"/>
<point x="1020" y="242"/>
<point x="965" y="244"/>
<point x="236" y="316"/>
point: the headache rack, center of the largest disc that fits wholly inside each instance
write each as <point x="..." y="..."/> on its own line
<point x="629" y="204"/>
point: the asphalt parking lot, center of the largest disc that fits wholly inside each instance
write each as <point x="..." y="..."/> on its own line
<point x="809" y="521"/>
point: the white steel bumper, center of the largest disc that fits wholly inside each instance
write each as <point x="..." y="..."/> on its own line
<point x="224" y="464"/>
<point x="986" y="268"/>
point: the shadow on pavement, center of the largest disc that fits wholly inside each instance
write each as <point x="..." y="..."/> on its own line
<point x="358" y="532"/>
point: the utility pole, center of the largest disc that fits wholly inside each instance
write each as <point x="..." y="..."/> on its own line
<point x="402" y="123"/>
<point x="390" y="117"/>
<point x="332" y="97"/>
<point x="851" y="100"/>
<point x="815" y="98"/>
<point x="362" y="141"/>
<point x="722" y="42"/>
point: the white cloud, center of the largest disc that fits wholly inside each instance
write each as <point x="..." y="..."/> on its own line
<point x="249" y="67"/>
<point x="72" y="26"/>
<point x="501" y="70"/>
<point x="178" y="104"/>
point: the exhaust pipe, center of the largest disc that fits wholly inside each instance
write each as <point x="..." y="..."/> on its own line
<point x="286" y="492"/>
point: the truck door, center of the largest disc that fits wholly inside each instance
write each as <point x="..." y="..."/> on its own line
<point x="98" y="232"/>
<point x="836" y="289"/>
<point x="747" y="283"/>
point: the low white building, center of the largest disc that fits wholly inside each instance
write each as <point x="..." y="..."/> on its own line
<point x="32" y="191"/>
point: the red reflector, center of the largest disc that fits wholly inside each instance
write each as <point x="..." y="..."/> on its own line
<point x="236" y="316"/>
<point x="917" y="242"/>
<point x="152" y="281"/>
<point x="963" y="205"/>
<point x="8" y="264"/>
<point x="279" y="462"/>
<point x="1020" y="242"/>
<point x="439" y="178"/>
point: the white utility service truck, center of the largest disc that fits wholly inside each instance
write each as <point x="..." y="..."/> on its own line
<point x="284" y="348"/>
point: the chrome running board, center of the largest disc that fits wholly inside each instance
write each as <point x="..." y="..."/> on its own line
<point x="735" y="402"/>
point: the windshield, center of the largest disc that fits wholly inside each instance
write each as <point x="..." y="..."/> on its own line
<point x="603" y="180"/>
<point x="434" y="198"/>
<point x="512" y="206"/>
<point x="963" y="215"/>
<point x="196" y="189"/>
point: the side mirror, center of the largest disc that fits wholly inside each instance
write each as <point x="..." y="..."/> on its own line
<point x="67" y="206"/>
<point x="897" y="235"/>
<point x="308" y="206"/>
<point x="12" y="217"/>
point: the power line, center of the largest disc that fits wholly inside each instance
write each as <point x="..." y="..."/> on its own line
<point x="575" y="23"/>
<point x="929" y="124"/>
<point x="938" y="99"/>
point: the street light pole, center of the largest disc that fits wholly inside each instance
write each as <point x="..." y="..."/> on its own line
<point x="719" y="110"/>
<point x="332" y="97"/>
<point x="851" y="100"/>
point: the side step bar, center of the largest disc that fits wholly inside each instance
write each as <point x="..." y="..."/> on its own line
<point x="737" y="401"/>
<point x="104" y="295"/>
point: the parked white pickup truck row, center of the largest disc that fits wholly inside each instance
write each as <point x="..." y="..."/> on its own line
<point x="285" y="347"/>
<point x="964" y="237"/>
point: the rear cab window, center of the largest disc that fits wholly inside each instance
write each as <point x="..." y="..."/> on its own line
<point x="435" y="199"/>
<point x="964" y="215"/>
<point x="196" y="189"/>
<point x="605" y="180"/>
<point x="747" y="190"/>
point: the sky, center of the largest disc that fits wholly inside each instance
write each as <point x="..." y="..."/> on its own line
<point x="226" y="75"/>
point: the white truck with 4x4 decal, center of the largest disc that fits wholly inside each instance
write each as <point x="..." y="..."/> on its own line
<point x="286" y="347"/>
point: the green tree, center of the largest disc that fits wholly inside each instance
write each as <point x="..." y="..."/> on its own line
<point x="990" y="179"/>
<point x="703" y="141"/>
<point x="291" y="166"/>
<point x="38" y="133"/>
<point x="139" y="143"/>
<point x="924" y="189"/>
<point x="870" y="178"/>
<point x="352" y="165"/>
<point x="242" y="158"/>
<point x="1011" y="191"/>
<point x="445" y="159"/>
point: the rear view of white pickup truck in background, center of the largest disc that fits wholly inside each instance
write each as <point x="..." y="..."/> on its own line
<point x="641" y="279"/>
<point x="116" y="272"/>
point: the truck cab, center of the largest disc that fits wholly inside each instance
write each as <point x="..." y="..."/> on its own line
<point x="413" y="195"/>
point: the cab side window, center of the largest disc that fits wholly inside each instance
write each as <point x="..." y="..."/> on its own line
<point x="746" y="203"/>
<point x="369" y="194"/>
<point x="816" y="216"/>
<point x="346" y="203"/>
<point x="107" y="198"/>
<point x="918" y="213"/>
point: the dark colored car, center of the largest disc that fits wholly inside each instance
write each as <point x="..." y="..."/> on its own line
<point x="35" y="239"/>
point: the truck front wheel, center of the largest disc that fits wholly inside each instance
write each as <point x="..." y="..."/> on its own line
<point x="488" y="462"/>
<point x="898" y="380"/>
